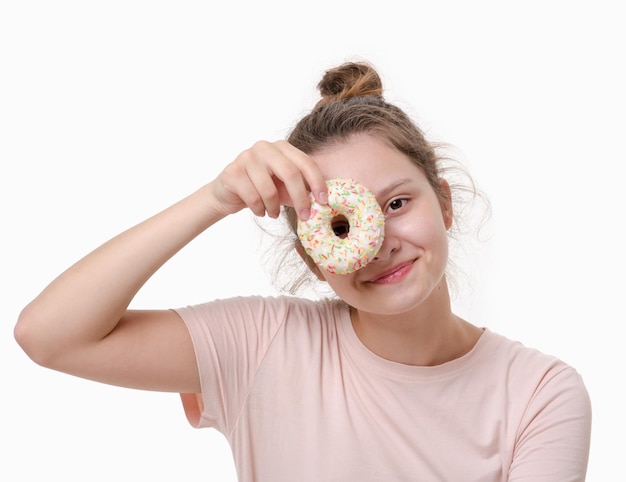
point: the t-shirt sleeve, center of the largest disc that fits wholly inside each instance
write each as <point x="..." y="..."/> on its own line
<point x="553" y="439"/>
<point x="230" y="339"/>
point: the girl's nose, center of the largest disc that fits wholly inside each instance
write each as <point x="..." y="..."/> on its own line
<point x="390" y="245"/>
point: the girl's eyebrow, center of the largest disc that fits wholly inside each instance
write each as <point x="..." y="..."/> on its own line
<point x="383" y="193"/>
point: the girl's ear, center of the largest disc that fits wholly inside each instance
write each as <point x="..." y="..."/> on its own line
<point x="446" y="203"/>
<point x="309" y="262"/>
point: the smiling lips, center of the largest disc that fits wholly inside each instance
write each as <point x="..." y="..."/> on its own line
<point x="396" y="273"/>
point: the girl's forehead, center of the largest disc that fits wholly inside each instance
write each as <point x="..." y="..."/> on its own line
<point x="368" y="159"/>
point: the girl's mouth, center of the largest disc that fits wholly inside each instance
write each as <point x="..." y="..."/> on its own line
<point x="394" y="274"/>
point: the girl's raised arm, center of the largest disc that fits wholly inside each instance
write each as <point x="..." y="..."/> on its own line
<point x="80" y="323"/>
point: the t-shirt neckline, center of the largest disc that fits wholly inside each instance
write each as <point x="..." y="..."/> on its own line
<point x="397" y="370"/>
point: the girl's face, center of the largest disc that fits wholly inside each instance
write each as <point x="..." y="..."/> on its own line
<point x="412" y="260"/>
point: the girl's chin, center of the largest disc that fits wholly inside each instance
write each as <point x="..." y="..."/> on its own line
<point x="392" y="298"/>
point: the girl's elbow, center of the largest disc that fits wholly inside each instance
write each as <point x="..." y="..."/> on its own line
<point x="30" y="338"/>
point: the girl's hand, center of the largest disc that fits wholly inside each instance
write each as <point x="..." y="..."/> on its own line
<point x="268" y="176"/>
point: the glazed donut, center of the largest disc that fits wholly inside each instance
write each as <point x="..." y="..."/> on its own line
<point x="333" y="248"/>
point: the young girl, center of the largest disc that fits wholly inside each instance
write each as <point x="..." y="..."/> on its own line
<point x="383" y="382"/>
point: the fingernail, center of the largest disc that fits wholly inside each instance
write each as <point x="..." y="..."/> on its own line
<point x="323" y="197"/>
<point x="305" y="214"/>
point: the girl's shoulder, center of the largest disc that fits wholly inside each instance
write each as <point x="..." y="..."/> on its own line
<point x="525" y="366"/>
<point x="263" y="310"/>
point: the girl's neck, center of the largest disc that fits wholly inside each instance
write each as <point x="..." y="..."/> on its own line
<point x="428" y="336"/>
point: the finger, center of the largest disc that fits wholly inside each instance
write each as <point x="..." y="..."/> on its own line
<point x="265" y="186"/>
<point x="304" y="179"/>
<point x="264" y="160"/>
<point x="249" y="194"/>
<point x="293" y="189"/>
<point x="278" y="177"/>
<point x="236" y="181"/>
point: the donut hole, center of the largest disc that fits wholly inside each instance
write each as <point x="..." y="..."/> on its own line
<point x="340" y="226"/>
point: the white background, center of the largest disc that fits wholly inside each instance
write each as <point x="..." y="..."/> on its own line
<point x="110" y="111"/>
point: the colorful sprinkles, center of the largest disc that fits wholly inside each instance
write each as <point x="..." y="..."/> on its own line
<point x="343" y="255"/>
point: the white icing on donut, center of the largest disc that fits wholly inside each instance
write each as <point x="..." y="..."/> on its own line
<point x="343" y="255"/>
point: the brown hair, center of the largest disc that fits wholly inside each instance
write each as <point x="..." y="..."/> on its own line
<point x="351" y="103"/>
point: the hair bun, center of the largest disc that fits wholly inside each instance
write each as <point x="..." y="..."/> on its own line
<point x="351" y="79"/>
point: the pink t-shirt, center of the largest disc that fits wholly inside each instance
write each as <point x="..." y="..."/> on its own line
<point x="300" y="398"/>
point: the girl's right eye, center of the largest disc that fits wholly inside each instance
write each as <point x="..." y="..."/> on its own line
<point x="340" y="226"/>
